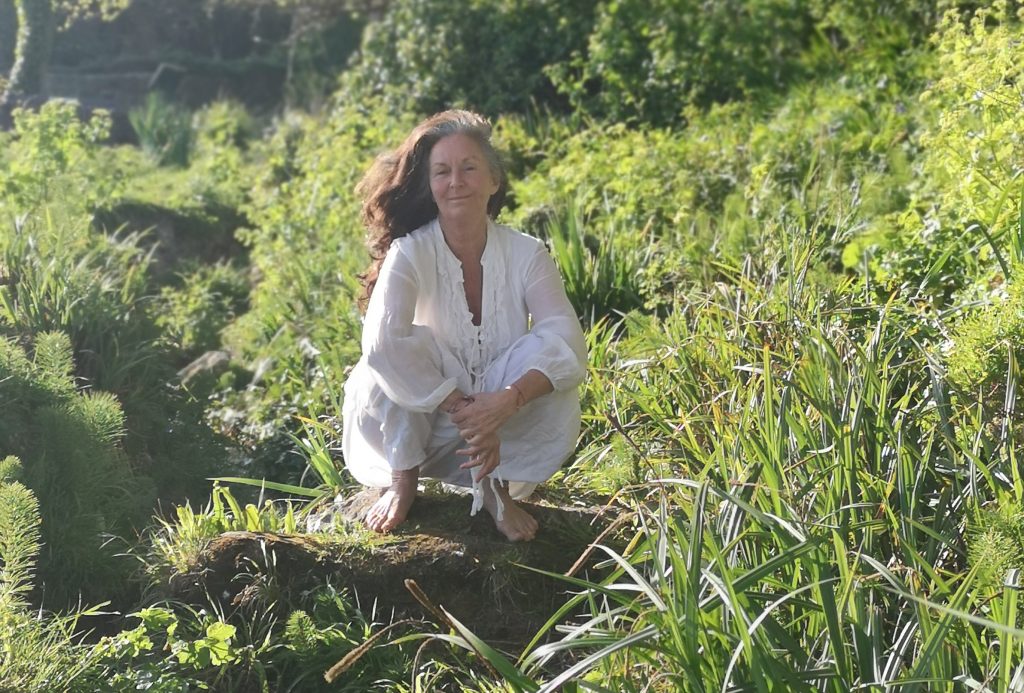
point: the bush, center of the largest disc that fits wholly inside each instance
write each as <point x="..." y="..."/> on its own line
<point x="635" y="178"/>
<point x="488" y="55"/>
<point x="982" y="347"/>
<point x="40" y="652"/>
<point x="646" y="61"/>
<point x="996" y="543"/>
<point x="164" y="130"/>
<point x="222" y="134"/>
<point x="75" y="465"/>
<point x="194" y="311"/>
<point x="961" y="225"/>
<point x="54" y="156"/>
<point x="876" y="29"/>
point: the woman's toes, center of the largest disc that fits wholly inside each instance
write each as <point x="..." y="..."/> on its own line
<point x="391" y="509"/>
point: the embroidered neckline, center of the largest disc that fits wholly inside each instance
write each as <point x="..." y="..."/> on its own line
<point x="474" y="345"/>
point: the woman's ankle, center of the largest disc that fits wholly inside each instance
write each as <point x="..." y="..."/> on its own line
<point x="405" y="476"/>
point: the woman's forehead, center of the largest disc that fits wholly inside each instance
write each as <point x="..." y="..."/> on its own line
<point x="455" y="147"/>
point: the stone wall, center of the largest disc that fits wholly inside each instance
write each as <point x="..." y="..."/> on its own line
<point x="193" y="50"/>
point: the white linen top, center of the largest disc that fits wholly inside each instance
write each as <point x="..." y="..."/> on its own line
<point x="419" y="341"/>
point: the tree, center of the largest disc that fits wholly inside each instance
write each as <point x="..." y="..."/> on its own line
<point x="37" y="21"/>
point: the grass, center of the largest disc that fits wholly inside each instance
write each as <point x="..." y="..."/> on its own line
<point x="806" y="497"/>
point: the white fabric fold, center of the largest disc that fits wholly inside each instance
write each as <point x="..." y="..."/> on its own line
<point x="477" y="491"/>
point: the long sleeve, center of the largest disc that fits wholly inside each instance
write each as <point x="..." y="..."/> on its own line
<point x="562" y="355"/>
<point x="403" y="358"/>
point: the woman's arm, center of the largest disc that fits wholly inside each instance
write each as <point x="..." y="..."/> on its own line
<point x="403" y="358"/>
<point x="485" y="413"/>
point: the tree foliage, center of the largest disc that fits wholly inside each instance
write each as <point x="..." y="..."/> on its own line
<point x="37" y="21"/>
<point x="490" y="55"/>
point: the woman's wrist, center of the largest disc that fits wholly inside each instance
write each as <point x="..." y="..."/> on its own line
<point x="517" y="396"/>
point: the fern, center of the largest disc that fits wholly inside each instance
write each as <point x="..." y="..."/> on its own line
<point x="10" y="469"/>
<point x="19" y="543"/>
<point x="37" y="653"/>
<point x="54" y="362"/>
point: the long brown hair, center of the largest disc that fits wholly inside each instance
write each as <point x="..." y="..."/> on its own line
<point x="396" y="189"/>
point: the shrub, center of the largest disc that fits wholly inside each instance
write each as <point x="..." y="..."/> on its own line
<point x="996" y="543"/>
<point x="633" y="178"/>
<point x="986" y="349"/>
<point x="646" y="61"/>
<point x="488" y="55"/>
<point x="975" y="147"/>
<point x="73" y="461"/>
<point x="961" y="223"/>
<point x="54" y="156"/>
<point x="877" y="29"/>
<point x="194" y="311"/>
<point x="303" y="326"/>
<point x="40" y="652"/>
<point x="220" y="163"/>
<point x="164" y="130"/>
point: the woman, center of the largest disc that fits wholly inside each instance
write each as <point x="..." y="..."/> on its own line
<point x="472" y="353"/>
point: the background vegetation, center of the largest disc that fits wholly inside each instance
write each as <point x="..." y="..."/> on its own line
<point x="794" y="232"/>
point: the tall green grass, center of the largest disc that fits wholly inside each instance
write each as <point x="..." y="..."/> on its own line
<point x="807" y="498"/>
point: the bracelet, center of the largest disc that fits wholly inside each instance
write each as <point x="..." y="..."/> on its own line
<point x="520" y="397"/>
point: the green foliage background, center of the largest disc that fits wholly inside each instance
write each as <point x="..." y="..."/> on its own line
<point x="793" y="232"/>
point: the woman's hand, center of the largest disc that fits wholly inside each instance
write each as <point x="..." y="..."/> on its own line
<point x="485" y="414"/>
<point x="485" y="454"/>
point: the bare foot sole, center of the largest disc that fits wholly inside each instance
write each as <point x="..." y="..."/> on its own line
<point x="516" y="524"/>
<point x="391" y="509"/>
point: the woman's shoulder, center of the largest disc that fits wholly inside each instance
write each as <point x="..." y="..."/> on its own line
<point x="516" y="241"/>
<point x="416" y="242"/>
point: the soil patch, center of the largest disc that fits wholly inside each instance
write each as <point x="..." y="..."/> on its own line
<point x="461" y="563"/>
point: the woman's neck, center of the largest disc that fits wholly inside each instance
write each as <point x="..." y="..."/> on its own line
<point x="466" y="241"/>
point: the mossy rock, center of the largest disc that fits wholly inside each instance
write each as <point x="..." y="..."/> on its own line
<point x="461" y="563"/>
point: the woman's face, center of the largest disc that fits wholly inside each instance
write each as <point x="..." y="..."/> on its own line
<point x="461" y="181"/>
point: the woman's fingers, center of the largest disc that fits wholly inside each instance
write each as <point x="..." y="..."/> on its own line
<point x="483" y="452"/>
<point x="486" y="469"/>
<point x="476" y="453"/>
<point x="486" y="463"/>
<point x="485" y="414"/>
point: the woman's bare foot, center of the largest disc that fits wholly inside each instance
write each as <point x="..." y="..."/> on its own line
<point x="516" y="524"/>
<point x="390" y="509"/>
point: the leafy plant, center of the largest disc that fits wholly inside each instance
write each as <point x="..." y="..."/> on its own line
<point x="646" y="61"/>
<point x="39" y="651"/>
<point x="164" y="129"/>
<point x="54" y="156"/>
<point x="602" y="269"/>
<point x="195" y="310"/>
<point x="175" y="544"/>
<point x="427" y="55"/>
